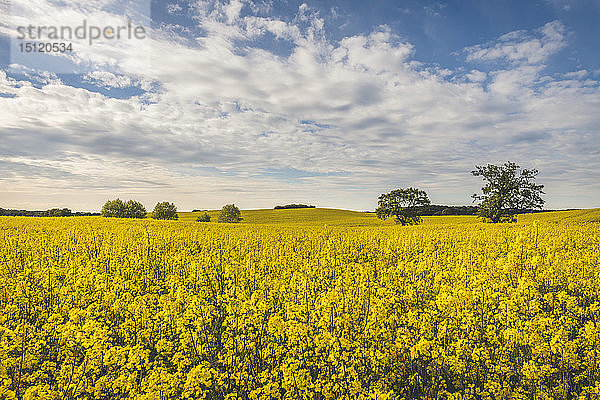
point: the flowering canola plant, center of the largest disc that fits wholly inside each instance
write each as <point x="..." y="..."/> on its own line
<point x="94" y="308"/>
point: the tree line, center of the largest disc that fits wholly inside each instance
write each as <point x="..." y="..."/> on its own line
<point x="292" y="206"/>
<point x="53" y="212"/>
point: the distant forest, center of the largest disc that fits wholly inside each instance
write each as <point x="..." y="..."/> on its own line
<point x="288" y="206"/>
<point x="424" y="210"/>
<point x="53" y="212"/>
<point x="447" y="210"/>
<point x="433" y="209"/>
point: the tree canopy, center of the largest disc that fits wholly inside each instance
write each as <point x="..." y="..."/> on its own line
<point x="230" y="214"/>
<point x="165" y="210"/>
<point x="134" y="209"/>
<point x="119" y="209"/>
<point x="292" y="206"/>
<point x="58" y="212"/>
<point x="203" y="218"/>
<point x="508" y="190"/>
<point x="114" y="208"/>
<point x="403" y="204"/>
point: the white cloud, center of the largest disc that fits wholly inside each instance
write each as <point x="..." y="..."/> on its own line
<point x="356" y="116"/>
<point x="108" y="79"/>
<point x="476" y="76"/>
<point x="375" y="53"/>
<point x="232" y="10"/>
<point x="515" y="83"/>
<point x="522" y="47"/>
<point x="576" y="74"/>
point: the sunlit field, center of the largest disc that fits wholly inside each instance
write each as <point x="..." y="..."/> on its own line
<point x="300" y="304"/>
<point x="334" y="217"/>
<point x="318" y="216"/>
<point x="301" y="216"/>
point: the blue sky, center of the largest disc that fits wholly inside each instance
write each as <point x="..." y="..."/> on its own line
<point x="328" y="103"/>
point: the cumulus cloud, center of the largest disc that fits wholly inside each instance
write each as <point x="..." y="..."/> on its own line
<point x="476" y="76"/>
<point x="227" y="118"/>
<point x="108" y="79"/>
<point x="522" y="46"/>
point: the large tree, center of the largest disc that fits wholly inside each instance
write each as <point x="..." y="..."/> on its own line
<point x="508" y="190"/>
<point x="404" y="204"/>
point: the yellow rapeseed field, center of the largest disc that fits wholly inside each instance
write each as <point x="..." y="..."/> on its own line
<point x="96" y="308"/>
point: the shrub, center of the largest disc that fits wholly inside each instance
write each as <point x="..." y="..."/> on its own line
<point x="203" y="218"/>
<point x="165" y="210"/>
<point x="230" y="214"/>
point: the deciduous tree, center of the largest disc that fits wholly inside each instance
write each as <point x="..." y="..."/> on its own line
<point x="134" y="209"/>
<point x="119" y="209"/>
<point x="203" y="218"/>
<point x="165" y="210"/>
<point x="403" y="204"/>
<point x="508" y="190"/>
<point x="113" y="208"/>
<point x="230" y="214"/>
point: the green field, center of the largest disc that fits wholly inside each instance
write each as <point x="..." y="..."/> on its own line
<point x="300" y="216"/>
<point x="335" y="217"/>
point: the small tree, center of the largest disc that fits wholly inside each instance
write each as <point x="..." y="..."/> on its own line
<point x="203" y="218"/>
<point x="403" y="204"/>
<point x="113" y="208"/>
<point x="230" y="214"/>
<point x="508" y="191"/>
<point x="165" y="210"/>
<point x="134" y="209"/>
